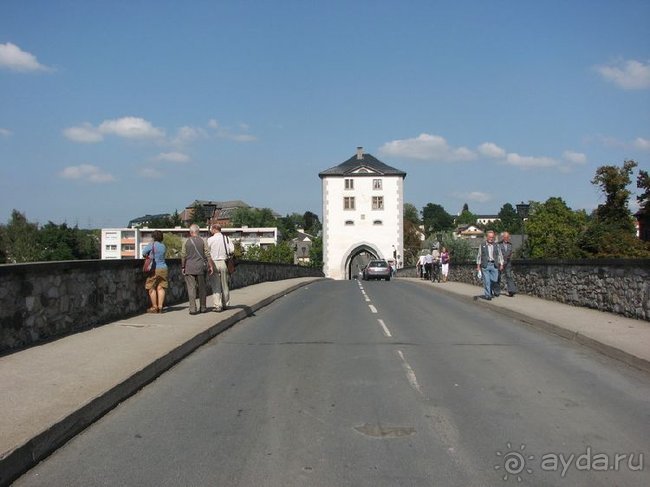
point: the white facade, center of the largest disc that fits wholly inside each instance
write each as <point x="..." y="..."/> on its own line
<point x="363" y="201"/>
<point x="127" y="243"/>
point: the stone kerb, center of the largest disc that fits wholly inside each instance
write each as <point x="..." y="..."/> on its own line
<point x="614" y="285"/>
<point x="41" y="301"/>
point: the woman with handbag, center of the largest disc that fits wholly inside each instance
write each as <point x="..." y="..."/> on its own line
<point x="156" y="282"/>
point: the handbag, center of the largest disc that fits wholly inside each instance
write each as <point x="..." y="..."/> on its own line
<point x="149" y="261"/>
<point x="231" y="260"/>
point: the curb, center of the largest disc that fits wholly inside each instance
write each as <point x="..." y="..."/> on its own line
<point x="26" y="456"/>
<point x="555" y="329"/>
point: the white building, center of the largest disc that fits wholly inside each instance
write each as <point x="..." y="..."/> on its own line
<point x="363" y="209"/>
<point x="127" y="243"/>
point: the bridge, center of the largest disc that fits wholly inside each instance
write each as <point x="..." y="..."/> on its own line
<point x="308" y="381"/>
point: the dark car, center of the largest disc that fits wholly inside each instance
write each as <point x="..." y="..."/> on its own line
<point x="377" y="269"/>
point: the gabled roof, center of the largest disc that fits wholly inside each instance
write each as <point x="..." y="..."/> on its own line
<point x="362" y="164"/>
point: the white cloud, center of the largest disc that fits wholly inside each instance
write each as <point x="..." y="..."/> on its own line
<point x="177" y="157"/>
<point x="476" y="196"/>
<point x="14" y="58"/>
<point x="150" y="173"/>
<point x="86" y="172"/>
<point x="186" y="135"/>
<point x="629" y="75"/>
<point x="642" y="144"/>
<point x="5" y="132"/>
<point x="126" y="127"/>
<point x="226" y="133"/>
<point x="131" y="128"/>
<point x="85" y="133"/>
<point x="526" y="162"/>
<point x="426" y="147"/>
<point x="488" y="149"/>
<point x="574" y="157"/>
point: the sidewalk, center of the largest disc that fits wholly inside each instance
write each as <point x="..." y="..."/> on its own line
<point x="624" y="339"/>
<point x="53" y="391"/>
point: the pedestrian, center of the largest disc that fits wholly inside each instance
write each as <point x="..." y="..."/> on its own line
<point x="444" y="263"/>
<point x="220" y="247"/>
<point x="420" y="266"/>
<point x="194" y="264"/>
<point x="435" y="263"/>
<point x="506" y="251"/>
<point x="489" y="262"/>
<point x="157" y="282"/>
<point x="428" y="264"/>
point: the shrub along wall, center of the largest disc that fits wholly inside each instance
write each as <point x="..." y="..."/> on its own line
<point x="615" y="285"/>
<point x="50" y="299"/>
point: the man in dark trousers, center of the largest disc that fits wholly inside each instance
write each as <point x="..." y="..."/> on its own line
<point x="506" y="251"/>
<point x="489" y="261"/>
<point x="194" y="263"/>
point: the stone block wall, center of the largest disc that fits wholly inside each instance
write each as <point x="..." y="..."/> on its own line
<point x="46" y="300"/>
<point x="618" y="286"/>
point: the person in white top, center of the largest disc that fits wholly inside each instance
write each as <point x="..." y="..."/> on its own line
<point x="220" y="248"/>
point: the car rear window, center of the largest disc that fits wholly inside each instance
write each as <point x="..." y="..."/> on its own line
<point x="378" y="263"/>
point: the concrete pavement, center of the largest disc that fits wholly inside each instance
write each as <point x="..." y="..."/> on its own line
<point x="53" y="391"/>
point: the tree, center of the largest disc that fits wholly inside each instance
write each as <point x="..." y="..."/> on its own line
<point x="412" y="233"/>
<point x="466" y="217"/>
<point x="316" y="253"/>
<point x="174" y="245"/>
<point x="436" y="219"/>
<point x="411" y="214"/>
<point x="643" y="183"/>
<point x="199" y="215"/>
<point x="509" y="219"/>
<point x="611" y="233"/>
<point x="613" y="182"/>
<point x="21" y="239"/>
<point x="253" y="217"/>
<point x="553" y="230"/>
<point x="56" y="242"/>
<point x="312" y="224"/>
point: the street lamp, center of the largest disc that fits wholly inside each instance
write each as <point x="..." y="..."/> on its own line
<point x="522" y="211"/>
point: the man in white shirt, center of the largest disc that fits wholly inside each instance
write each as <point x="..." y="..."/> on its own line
<point x="220" y="248"/>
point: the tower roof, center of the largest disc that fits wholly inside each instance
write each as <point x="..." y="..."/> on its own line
<point x="362" y="165"/>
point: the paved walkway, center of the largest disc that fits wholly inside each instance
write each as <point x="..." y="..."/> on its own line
<point x="53" y="391"/>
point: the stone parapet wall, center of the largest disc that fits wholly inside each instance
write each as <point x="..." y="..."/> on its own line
<point x="46" y="300"/>
<point x="618" y="286"/>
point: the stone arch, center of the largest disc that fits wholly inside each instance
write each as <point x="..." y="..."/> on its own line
<point x="358" y="255"/>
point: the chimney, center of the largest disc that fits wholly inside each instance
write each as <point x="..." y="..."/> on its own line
<point x="359" y="153"/>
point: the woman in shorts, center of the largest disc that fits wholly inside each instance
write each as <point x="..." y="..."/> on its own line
<point x="157" y="283"/>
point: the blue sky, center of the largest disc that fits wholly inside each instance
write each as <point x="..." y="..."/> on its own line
<point x="112" y="110"/>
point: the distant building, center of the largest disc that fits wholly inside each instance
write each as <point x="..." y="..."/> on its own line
<point x="145" y="221"/>
<point x="363" y="209"/>
<point x="219" y="212"/>
<point x="485" y="219"/>
<point x="469" y="231"/>
<point x="301" y="247"/>
<point x="127" y="243"/>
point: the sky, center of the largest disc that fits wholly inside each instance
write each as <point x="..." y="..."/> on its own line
<point x="114" y="110"/>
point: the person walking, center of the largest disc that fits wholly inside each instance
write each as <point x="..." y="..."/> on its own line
<point x="506" y="251"/>
<point x="489" y="262"/>
<point x="156" y="283"/>
<point x="194" y="264"/>
<point x="444" y="263"/>
<point x="220" y="248"/>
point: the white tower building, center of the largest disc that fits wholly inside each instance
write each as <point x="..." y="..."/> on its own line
<point x="363" y="209"/>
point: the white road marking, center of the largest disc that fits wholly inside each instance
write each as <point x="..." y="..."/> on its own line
<point x="410" y="375"/>
<point x="372" y="308"/>
<point x="385" y="328"/>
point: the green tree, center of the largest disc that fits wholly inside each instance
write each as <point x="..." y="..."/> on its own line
<point x="57" y="242"/>
<point x="613" y="182"/>
<point x="553" y="230"/>
<point x="312" y="224"/>
<point x="460" y="250"/>
<point x="412" y="234"/>
<point x="509" y="219"/>
<point x="253" y="217"/>
<point x="21" y="239"/>
<point x="466" y="217"/>
<point x="200" y="215"/>
<point x="643" y="183"/>
<point x="436" y="219"/>
<point x="174" y="244"/>
<point x="316" y="253"/>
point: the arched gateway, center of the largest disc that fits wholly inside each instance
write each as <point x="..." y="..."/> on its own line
<point x="363" y="209"/>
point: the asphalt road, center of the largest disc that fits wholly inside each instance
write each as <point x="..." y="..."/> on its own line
<point x="372" y="384"/>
